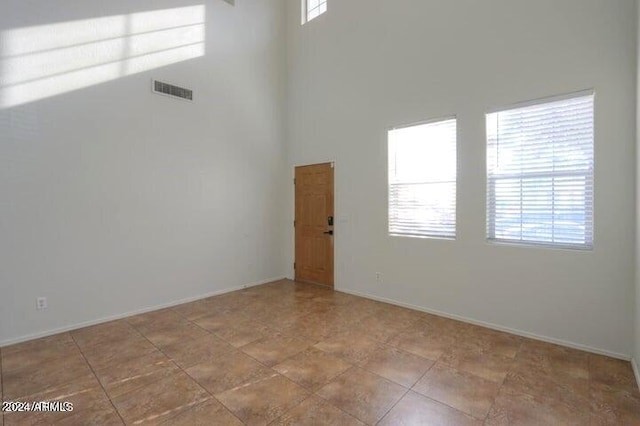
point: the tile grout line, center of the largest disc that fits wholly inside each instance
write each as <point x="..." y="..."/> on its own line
<point x="311" y="393"/>
<point x="532" y="395"/>
<point x="504" y="379"/>
<point x="440" y="402"/>
<point x="97" y="379"/>
<point x="484" y="419"/>
<point x="409" y="388"/>
<point x="292" y="408"/>
<point x="394" y="405"/>
<point x="381" y="343"/>
<point x="152" y="344"/>
<point x="183" y="371"/>
<point x="329" y="402"/>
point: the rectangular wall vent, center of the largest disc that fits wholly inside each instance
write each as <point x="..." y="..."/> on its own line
<point x="167" y="89"/>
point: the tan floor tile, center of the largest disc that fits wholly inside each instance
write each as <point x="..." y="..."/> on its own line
<point x="416" y="409"/>
<point x="475" y="360"/>
<point x="90" y="407"/>
<point x="39" y="354"/>
<point x="160" y="400"/>
<point x="204" y="414"/>
<point x="344" y="318"/>
<point x="468" y="393"/>
<point x="492" y="341"/>
<point x="381" y="328"/>
<point x="536" y="379"/>
<point x="362" y="394"/>
<point x="36" y="345"/>
<point x="350" y="348"/>
<point x="521" y="409"/>
<point x="137" y="361"/>
<point x="280" y="317"/>
<point x="54" y="375"/>
<point x="275" y="349"/>
<point x="401" y="367"/>
<point x="75" y="387"/>
<point x="425" y="342"/>
<point x="267" y="312"/>
<point x="194" y="310"/>
<point x="227" y="371"/>
<point x="163" y="335"/>
<point x="315" y="411"/>
<point x="228" y="301"/>
<point x="262" y="401"/>
<point x="364" y="307"/>
<point x="189" y="352"/>
<point x="398" y="315"/>
<point x="312" y="307"/>
<point x="611" y="372"/>
<point x="158" y="319"/>
<point x="218" y="320"/>
<point x="614" y="406"/>
<point x="309" y="327"/>
<point x="445" y="325"/>
<point x="103" y="355"/>
<point x="336" y="298"/>
<point x="135" y="373"/>
<point x="110" y="332"/>
<point x="555" y="360"/>
<point x="312" y="368"/>
<point x="243" y="332"/>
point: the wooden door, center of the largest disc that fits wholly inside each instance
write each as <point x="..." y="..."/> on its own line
<point x="314" y="224"/>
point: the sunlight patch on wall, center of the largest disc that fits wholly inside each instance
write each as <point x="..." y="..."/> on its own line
<point x="43" y="61"/>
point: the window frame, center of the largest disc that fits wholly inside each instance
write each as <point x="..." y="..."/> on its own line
<point x="305" y="10"/>
<point x="489" y="191"/>
<point x="442" y="119"/>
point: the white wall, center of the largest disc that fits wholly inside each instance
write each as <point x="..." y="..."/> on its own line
<point x="367" y="65"/>
<point x="113" y="199"/>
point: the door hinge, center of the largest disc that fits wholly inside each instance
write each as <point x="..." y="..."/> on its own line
<point x="294" y="181"/>
<point x="294" y="265"/>
<point x="294" y="223"/>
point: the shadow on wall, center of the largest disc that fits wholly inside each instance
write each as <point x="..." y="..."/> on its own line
<point x="37" y="62"/>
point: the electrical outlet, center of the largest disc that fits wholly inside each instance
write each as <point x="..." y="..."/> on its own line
<point x="41" y="303"/>
<point x="379" y="277"/>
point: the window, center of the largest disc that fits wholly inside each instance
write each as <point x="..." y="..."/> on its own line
<point x="422" y="180"/>
<point x="540" y="173"/>
<point x="313" y="9"/>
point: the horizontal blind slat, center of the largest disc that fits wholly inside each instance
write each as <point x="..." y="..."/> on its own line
<point x="422" y="180"/>
<point x="540" y="173"/>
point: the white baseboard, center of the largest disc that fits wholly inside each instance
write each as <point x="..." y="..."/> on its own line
<point x="493" y="326"/>
<point x="636" y="371"/>
<point x="131" y="313"/>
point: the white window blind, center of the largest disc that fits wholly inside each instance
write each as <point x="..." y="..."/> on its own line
<point x="540" y="173"/>
<point x="314" y="8"/>
<point x="422" y="180"/>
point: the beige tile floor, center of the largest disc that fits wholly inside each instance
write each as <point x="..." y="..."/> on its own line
<point x="287" y="353"/>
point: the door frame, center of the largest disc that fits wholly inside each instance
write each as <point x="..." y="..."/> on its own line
<point x="336" y="236"/>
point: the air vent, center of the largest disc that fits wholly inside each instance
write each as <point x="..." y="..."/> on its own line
<point x="167" y="89"/>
